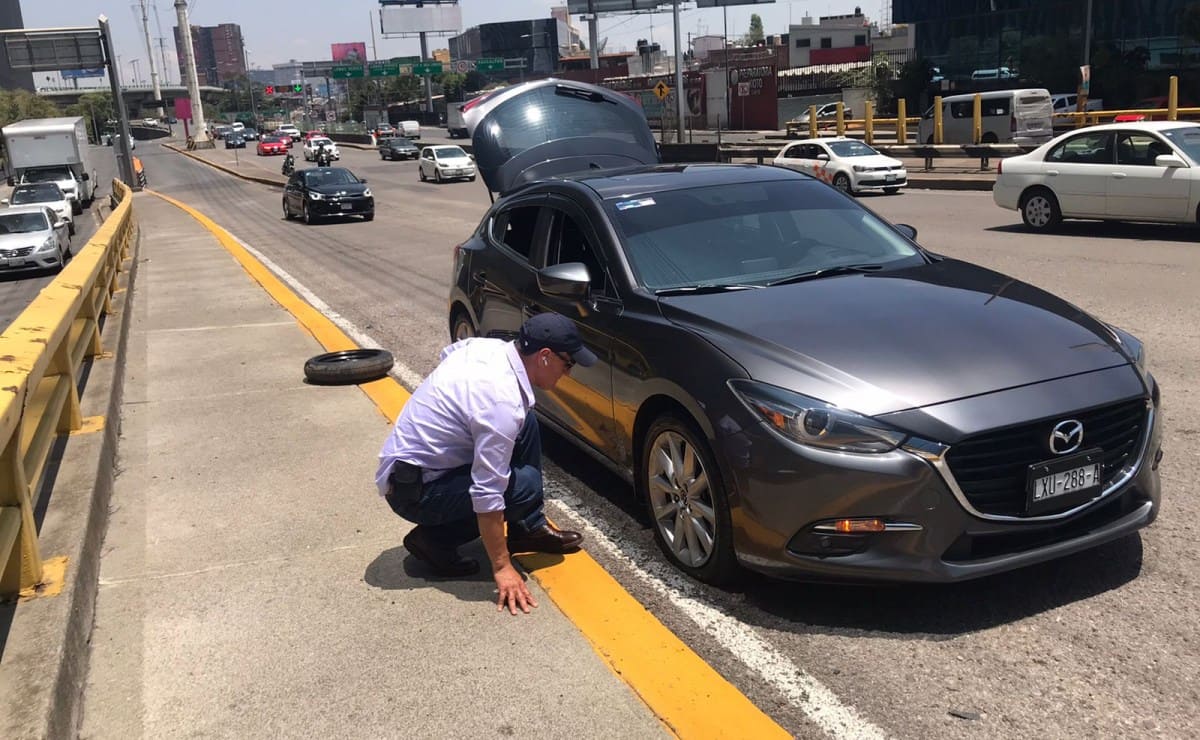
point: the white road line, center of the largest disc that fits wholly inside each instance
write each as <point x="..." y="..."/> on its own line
<point x="803" y="691"/>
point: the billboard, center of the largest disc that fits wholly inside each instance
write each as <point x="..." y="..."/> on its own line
<point x="408" y="19"/>
<point x="71" y="74"/>
<point x="352" y="53"/>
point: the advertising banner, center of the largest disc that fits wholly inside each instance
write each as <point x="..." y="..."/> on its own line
<point x="352" y="53"/>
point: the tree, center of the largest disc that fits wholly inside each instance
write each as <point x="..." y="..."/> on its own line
<point x="453" y="85"/>
<point x="17" y="105"/>
<point x="475" y="81"/>
<point x="97" y="108"/>
<point x="755" y="34"/>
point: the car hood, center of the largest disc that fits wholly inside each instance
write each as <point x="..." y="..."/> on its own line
<point x="883" y="342"/>
<point x="551" y="127"/>
<point x="874" y="160"/>
<point x="345" y="188"/>
<point x="456" y="161"/>
<point x="29" y="239"/>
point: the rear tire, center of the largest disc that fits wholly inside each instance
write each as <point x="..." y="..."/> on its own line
<point x="1040" y="210"/>
<point x="990" y="138"/>
<point x="287" y="212"/>
<point x="421" y="173"/>
<point x="349" y="367"/>
<point x="461" y="326"/>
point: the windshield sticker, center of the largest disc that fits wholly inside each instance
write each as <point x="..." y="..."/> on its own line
<point x="624" y="205"/>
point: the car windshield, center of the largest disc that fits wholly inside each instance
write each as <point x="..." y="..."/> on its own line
<point x="327" y="176"/>
<point x="272" y="140"/>
<point x="48" y="174"/>
<point x="1187" y="139"/>
<point x="320" y="142"/>
<point x="22" y="223"/>
<point x="851" y="149"/>
<point x="40" y="193"/>
<point x="751" y="234"/>
<point x="448" y="152"/>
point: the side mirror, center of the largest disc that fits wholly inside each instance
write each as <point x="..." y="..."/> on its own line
<point x="84" y="177"/>
<point x="4" y="202"/>
<point x="60" y="223"/>
<point x="823" y="157"/>
<point x="908" y="231"/>
<point x="363" y="180"/>
<point x="568" y="280"/>
<point x="1169" y="160"/>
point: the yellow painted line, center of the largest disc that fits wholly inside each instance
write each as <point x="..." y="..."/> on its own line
<point x="689" y="696"/>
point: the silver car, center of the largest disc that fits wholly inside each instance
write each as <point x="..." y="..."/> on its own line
<point x="33" y="238"/>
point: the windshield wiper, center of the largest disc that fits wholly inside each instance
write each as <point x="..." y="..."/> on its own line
<point x="705" y="288"/>
<point x="826" y="272"/>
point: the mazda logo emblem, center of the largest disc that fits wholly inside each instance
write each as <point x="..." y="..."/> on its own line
<point x="1066" y="437"/>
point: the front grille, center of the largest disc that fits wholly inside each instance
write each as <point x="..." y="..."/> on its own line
<point x="10" y="253"/>
<point x="991" y="468"/>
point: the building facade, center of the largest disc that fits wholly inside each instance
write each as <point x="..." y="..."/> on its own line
<point x="220" y="53"/>
<point x="11" y="79"/>
<point x="538" y="44"/>
<point x="964" y="35"/>
<point x="832" y="39"/>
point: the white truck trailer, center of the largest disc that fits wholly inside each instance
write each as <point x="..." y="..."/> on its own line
<point x="52" y="150"/>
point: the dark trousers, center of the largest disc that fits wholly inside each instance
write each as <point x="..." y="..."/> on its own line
<point x="444" y="508"/>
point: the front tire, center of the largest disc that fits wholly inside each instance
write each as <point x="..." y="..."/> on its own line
<point x="461" y="327"/>
<point x="287" y="212"/>
<point x="842" y="182"/>
<point x="686" y="501"/>
<point x="306" y="215"/>
<point x="891" y="191"/>
<point x="1040" y="210"/>
<point x="437" y="176"/>
<point x="421" y="173"/>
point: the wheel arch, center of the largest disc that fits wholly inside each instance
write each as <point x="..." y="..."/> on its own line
<point x="663" y="403"/>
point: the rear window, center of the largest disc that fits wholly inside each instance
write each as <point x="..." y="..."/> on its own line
<point x="22" y="223"/>
<point x="39" y="193"/>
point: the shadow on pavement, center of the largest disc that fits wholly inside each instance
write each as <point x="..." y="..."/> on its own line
<point x="397" y="570"/>
<point x="1113" y="230"/>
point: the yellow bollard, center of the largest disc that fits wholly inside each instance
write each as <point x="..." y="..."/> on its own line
<point x="901" y="122"/>
<point x="1173" y="99"/>
<point x="937" y="119"/>
<point x="869" y="121"/>
<point x="977" y="123"/>
<point x="812" y="122"/>
<point x="841" y="119"/>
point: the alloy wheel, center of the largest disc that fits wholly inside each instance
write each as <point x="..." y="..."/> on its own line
<point x="1038" y="212"/>
<point x="681" y="499"/>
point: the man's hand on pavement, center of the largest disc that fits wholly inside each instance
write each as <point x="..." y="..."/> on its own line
<point x="512" y="591"/>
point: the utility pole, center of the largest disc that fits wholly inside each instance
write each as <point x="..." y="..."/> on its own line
<point x="680" y="95"/>
<point x="428" y="79"/>
<point x="593" y="33"/>
<point x="121" y="145"/>
<point x="150" y="60"/>
<point x="200" y="129"/>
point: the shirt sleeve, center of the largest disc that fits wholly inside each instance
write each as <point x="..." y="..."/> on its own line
<point x="494" y="424"/>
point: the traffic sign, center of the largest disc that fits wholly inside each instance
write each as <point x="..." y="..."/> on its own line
<point x="661" y="91"/>
<point x="346" y="72"/>
<point x="298" y="88"/>
<point x="489" y="65"/>
<point x="427" y="68"/>
<point x="269" y="90"/>
<point x="383" y="69"/>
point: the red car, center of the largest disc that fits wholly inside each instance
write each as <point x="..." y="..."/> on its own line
<point x="274" y="145"/>
<point x="312" y="134"/>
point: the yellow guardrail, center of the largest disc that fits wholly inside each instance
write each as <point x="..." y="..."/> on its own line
<point x="41" y="354"/>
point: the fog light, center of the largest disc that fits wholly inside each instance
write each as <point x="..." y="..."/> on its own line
<point x="855" y="526"/>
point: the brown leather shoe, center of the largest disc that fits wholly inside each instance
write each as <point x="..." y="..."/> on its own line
<point x="545" y="539"/>
<point x="443" y="562"/>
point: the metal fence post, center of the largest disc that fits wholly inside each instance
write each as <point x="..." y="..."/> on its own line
<point x="901" y="122"/>
<point x="977" y="122"/>
<point x="937" y="119"/>
<point x="869" y="121"/>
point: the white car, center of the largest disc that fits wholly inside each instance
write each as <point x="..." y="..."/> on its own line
<point x="60" y="175"/>
<point x="847" y="164"/>
<point x="1144" y="171"/>
<point x="312" y="145"/>
<point x="33" y="238"/>
<point x="409" y="129"/>
<point x="45" y="194"/>
<point x="291" y="130"/>
<point x="449" y="162"/>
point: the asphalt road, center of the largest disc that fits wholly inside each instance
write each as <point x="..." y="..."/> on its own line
<point x="1100" y="644"/>
<point x="18" y="289"/>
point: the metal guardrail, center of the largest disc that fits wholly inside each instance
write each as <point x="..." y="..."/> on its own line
<point x="41" y="355"/>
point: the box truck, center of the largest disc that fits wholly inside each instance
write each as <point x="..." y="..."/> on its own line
<point x="52" y="150"/>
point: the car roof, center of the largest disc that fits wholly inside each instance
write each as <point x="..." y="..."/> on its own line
<point x="661" y="178"/>
<point x="1142" y="126"/>
<point x="31" y="208"/>
<point x="824" y="140"/>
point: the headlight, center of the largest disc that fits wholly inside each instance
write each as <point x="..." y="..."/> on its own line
<point x="1132" y="346"/>
<point x="315" y="196"/>
<point x="814" y="423"/>
<point x="860" y="168"/>
<point x="367" y="193"/>
<point x="50" y="244"/>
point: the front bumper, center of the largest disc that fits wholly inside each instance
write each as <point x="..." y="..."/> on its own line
<point x="340" y="206"/>
<point x="26" y="259"/>
<point x="457" y="173"/>
<point x="880" y="180"/>
<point x="784" y="499"/>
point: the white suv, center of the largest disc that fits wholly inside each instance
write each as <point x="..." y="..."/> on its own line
<point x="291" y="130"/>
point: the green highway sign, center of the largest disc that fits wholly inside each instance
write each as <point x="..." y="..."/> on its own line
<point x="489" y="65"/>
<point x="427" y="68"/>
<point x="383" y="69"/>
<point x="346" y="72"/>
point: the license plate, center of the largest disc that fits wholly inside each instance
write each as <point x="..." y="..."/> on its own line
<point x="1057" y="485"/>
<point x="889" y="177"/>
<point x="347" y="207"/>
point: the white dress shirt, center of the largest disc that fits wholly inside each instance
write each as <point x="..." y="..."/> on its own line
<point x="470" y="409"/>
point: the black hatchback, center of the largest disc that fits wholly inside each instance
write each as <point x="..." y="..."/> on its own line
<point x="319" y="192"/>
<point x="398" y="147"/>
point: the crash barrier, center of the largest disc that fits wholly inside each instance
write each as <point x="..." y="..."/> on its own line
<point x="764" y="154"/>
<point x="352" y="138"/>
<point x="41" y="355"/>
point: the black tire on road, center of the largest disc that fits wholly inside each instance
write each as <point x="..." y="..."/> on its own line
<point x="348" y="367"/>
<point x="437" y="176"/>
<point x="891" y="191"/>
<point x="306" y="215"/>
<point x="369" y="216"/>
<point x="287" y="213"/>
<point x="461" y="327"/>
<point x="842" y="183"/>
<point x="1040" y="210"/>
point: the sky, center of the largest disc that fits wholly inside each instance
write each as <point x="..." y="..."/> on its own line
<point x="275" y="31"/>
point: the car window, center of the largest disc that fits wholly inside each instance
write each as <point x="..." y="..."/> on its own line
<point x="1186" y="138"/>
<point x="851" y="149"/>
<point x="795" y="151"/>
<point x="38" y="193"/>
<point x="515" y="228"/>
<point x="1093" y="147"/>
<point x="751" y="233"/>
<point x="569" y="243"/>
<point x="996" y="106"/>
<point x="1139" y="149"/>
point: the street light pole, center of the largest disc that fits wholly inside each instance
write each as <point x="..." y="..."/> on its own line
<point x="121" y="146"/>
<point x="150" y="59"/>
<point x="680" y="95"/>
<point x="200" y="128"/>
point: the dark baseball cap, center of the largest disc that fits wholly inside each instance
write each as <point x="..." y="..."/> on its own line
<point x="555" y="332"/>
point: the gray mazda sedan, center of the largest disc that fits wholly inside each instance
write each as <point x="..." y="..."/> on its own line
<point x="791" y="383"/>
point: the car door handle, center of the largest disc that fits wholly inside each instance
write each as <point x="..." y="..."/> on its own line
<point x="1119" y="175"/>
<point x="1052" y="173"/>
<point x="479" y="276"/>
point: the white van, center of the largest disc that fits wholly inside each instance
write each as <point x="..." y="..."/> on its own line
<point x="1008" y="117"/>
